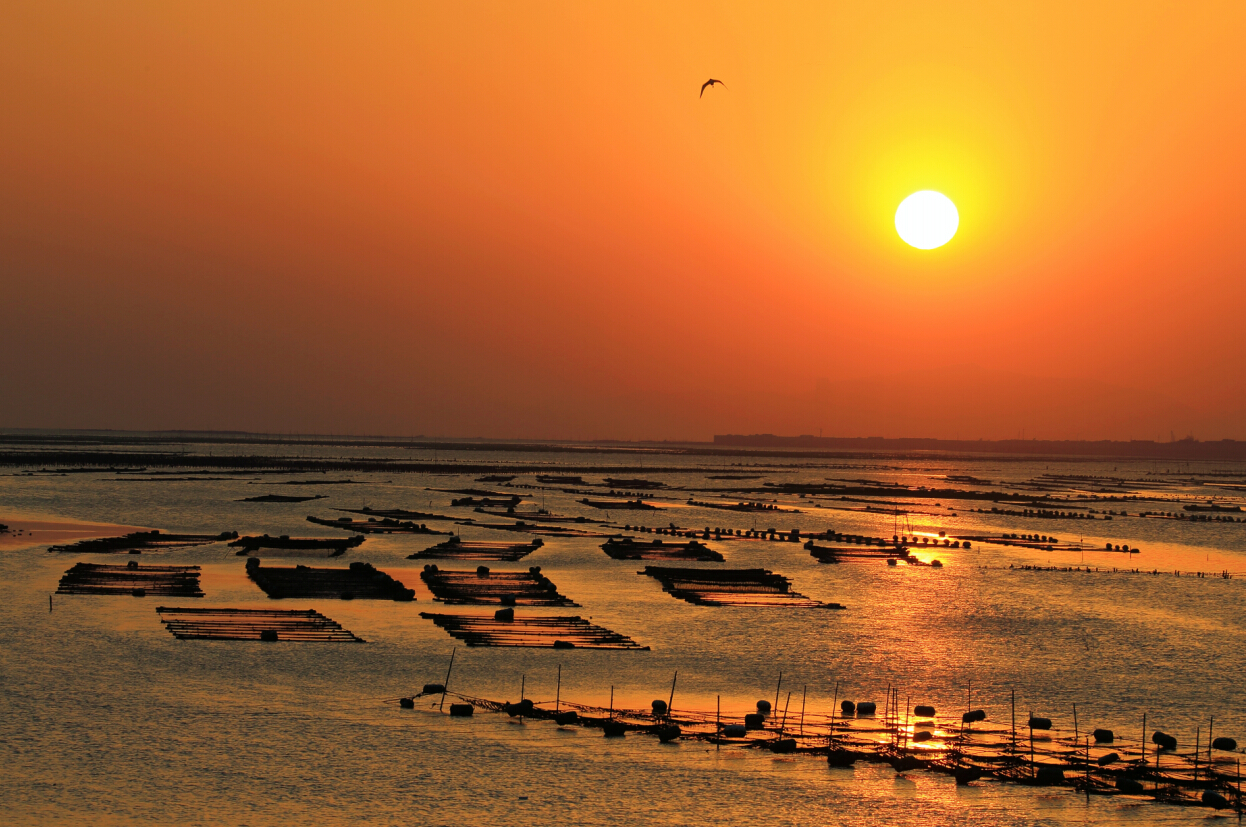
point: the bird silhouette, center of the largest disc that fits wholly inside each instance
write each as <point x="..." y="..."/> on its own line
<point x="711" y="82"/>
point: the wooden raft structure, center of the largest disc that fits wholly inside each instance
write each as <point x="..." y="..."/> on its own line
<point x="306" y="626"/>
<point x="549" y="632"/>
<point x="385" y="525"/>
<point x="537" y="528"/>
<point x="286" y="546"/>
<point x="629" y="549"/>
<point x="619" y="505"/>
<point x="361" y="581"/>
<point x="131" y="579"/>
<point x="397" y="514"/>
<point x="456" y="549"/>
<point x="483" y="587"/>
<point x="732" y="587"/>
<point x="746" y="507"/>
<point x="842" y="554"/>
<point x="139" y="541"/>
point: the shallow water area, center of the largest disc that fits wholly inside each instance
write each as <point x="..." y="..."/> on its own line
<point x="107" y="713"/>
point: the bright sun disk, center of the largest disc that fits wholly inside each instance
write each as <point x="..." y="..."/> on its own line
<point x="927" y="219"/>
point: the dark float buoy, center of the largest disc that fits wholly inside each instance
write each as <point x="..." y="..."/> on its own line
<point x="614" y="729"/>
<point x="563" y="644"/>
<point x="268" y="635"/>
<point x="1110" y="758"/>
<point x="924" y="711"/>
<point x="966" y="775"/>
<point x="754" y="720"/>
<point x="973" y="716"/>
<point x="138" y="592"/>
<point x="1226" y="744"/>
<point x="1104" y="736"/>
<point x="908" y="763"/>
<point x="133" y="564"/>
<point x="1164" y="741"/>
<point x="567" y="718"/>
<point x="507" y="600"/>
<point x="848" y="707"/>
<point x="432" y="689"/>
<point x="763" y="707"/>
<point x="506" y="615"/>
<point x="461" y="710"/>
<point x="1050" y="776"/>
<point x="659" y="707"/>
<point x="668" y="733"/>
<point x="734" y="731"/>
<point x="783" y="746"/>
<point x="841" y="758"/>
<point x="866" y="709"/>
<point x="1129" y="786"/>
<point x="1211" y="798"/>
<point x="924" y="735"/>
<point x="482" y="571"/>
<point x="1040" y="723"/>
<point x="406" y="703"/>
<point x="524" y="707"/>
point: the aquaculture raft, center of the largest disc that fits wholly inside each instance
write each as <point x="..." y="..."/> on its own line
<point x="360" y="581"/>
<point x="285" y="546"/>
<point x="131" y="579"/>
<point x="385" y="525"/>
<point x="547" y="632"/>
<point x="619" y="505"/>
<point x="535" y="528"/>
<point x="500" y="588"/>
<point x="456" y="549"/>
<point x="280" y="498"/>
<point x="840" y="554"/>
<point x="397" y="514"/>
<point x="629" y="549"/>
<point x="732" y="587"/>
<point x="139" y="541"/>
<point x="306" y="626"/>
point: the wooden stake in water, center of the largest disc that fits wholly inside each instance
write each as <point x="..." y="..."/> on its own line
<point x="1143" y="740"/>
<point x="1014" y="721"/>
<point x="445" y="686"/>
<point x="776" y="692"/>
<point x="611" y="718"/>
<point x="1197" y="746"/>
<point x="830" y="735"/>
<point x="718" y="724"/>
<point x="803" y="690"/>
<point x="670" y="704"/>
<point x="1088" y="769"/>
<point x="1076" y="737"/>
<point x="558" y="691"/>
<point x="783" y="723"/>
<point x="523" y="684"/>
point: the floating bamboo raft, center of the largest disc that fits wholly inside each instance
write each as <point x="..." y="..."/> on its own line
<point x="629" y="549"/>
<point x="456" y="549"/>
<point x="746" y="507"/>
<point x="619" y="505"/>
<point x="732" y="587"/>
<point x="280" y="498"/>
<point x="286" y="546"/>
<point x="385" y="525"/>
<point x="536" y="528"/>
<point x="485" y="502"/>
<point x="139" y="541"/>
<point x="131" y="579"/>
<point x="546" y="516"/>
<point x="398" y="514"/>
<point x="547" y="632"/>
<point x="305" y="626"/>
<point x="841" y="554"/>
<point x="358" y="582"/>
<point x="483" y="587"/>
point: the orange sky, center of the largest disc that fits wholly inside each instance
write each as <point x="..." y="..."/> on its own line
<point x="519" y="220"/>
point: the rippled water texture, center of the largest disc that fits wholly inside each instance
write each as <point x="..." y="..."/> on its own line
<point x="106" y="716"/>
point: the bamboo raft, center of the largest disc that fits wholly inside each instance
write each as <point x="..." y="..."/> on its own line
<point x="732" y="587"/>
<point x="397" y="514"/>
<point x="140" y="541"/>
<point x="286" y="546"/>
<point x="358" y="582"/>
<point x="965" y="747"/>
<point x="546" y="516"/>
<point x="840" y="554"/>
<point x="545" y="631"/>
<point x="456" y="549"/>
<point x="746" y="507"/>
<point x="619" y="505"/>
<point x="131" y="579"/>
<point x="485" y="502"/>
<point x="629" y="549"/>
<point x="305" y="626"/>
<point x="280" y="498"/>
<point x="493" y="588"/>
<point x="537" y="528"/>
<point x="385" y="525"/>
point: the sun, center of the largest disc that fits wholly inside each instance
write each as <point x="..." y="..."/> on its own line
<point x="927" y="219"/>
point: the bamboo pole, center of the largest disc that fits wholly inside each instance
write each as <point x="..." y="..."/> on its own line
<point x="830" y="735"/>
<point x="446" y="686"/>
<point x="803" y="691"/>
<point x="558" y="691"/>
<point x="670" y="704"/>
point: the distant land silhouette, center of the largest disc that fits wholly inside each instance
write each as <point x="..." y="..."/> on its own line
<point x="1181" y="449"/>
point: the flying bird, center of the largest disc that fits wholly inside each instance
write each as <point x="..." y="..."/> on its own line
<point x="711" y="82"/>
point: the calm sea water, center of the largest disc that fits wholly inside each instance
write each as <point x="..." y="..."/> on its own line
<point x="106" y="716"/>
